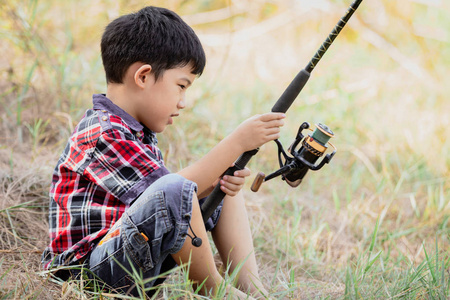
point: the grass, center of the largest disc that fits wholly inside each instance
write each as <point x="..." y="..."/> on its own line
<point x="372" y="224"/>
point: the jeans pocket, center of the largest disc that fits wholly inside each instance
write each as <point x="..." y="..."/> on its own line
<point x="136" y="245"/>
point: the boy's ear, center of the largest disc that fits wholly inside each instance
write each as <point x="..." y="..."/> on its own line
<point x="142" y="75"/>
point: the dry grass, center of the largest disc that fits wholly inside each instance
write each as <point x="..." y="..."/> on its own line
<point x="23" y="225"/>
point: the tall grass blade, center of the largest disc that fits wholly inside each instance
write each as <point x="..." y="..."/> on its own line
<point x="374" y="236"/>
<point x="430" y="265"/>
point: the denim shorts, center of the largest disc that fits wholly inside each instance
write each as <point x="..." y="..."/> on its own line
<point x="154" y="226"/>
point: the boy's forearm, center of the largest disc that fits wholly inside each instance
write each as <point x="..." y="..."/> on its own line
<point x="206" y="170"/>
<point x="250" y="134"/>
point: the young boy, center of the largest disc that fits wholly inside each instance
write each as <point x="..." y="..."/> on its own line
<point x="114" y="206"/>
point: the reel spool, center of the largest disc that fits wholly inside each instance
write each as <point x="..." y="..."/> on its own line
<point x="294" y="168"/>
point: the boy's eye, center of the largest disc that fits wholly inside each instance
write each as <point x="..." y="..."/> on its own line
<point x="182" y="86"/>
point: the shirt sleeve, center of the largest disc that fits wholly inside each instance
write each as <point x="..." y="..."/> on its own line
<point x="124" y="166"/>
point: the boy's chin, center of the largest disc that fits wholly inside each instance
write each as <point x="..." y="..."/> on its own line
<point x="159" y="129"/>
<point x="156" y="128"/>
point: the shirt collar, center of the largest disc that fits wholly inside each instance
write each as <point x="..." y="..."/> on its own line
<point x="100" y="101"/>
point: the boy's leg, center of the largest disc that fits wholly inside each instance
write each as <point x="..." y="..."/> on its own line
<point x="152" y="228"/>
<point x="233" y="239"/>
<point x="201" y="259"/>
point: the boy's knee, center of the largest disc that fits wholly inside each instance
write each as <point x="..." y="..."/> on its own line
<point x="164" y="211"/>
<point x="178" y="193"/>
<point x="172" y="193"/>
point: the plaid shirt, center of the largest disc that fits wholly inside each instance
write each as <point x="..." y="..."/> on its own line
<point x="109" y="160"/>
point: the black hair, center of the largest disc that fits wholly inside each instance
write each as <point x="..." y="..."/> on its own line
<point x="153" y="35"/>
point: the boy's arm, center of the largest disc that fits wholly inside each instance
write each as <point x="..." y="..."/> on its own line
<point x="251" y="134"/>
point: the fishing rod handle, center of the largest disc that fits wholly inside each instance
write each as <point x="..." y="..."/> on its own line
<point x="291" y="92"/>
<point x="213" y="201"/>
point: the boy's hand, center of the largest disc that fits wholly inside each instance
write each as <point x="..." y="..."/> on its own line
<point x="258" y="130"/>
<point x="231" y="185"/>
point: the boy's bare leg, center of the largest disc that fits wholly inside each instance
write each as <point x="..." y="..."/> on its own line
<point x="202" y="262"/>
<point x="233" y="239"/>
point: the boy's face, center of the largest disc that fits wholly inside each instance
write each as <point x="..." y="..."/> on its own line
<point x="162" y="100"/>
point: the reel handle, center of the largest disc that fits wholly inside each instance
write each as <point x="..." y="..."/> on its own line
<point x="259" y="179"/>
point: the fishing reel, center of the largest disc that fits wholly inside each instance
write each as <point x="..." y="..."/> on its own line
<point x="294" y="168"/>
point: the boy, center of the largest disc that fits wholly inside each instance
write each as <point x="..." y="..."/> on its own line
<point x="113" y="204"/>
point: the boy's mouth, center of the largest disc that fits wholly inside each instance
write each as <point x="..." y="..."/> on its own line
<point x="171" y="118"/>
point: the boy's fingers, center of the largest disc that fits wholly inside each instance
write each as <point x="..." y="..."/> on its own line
<point x="274" y="123"/>
<point x="273" y="136"/>
<point x="229" y="191"/>
<point x="273" y="130"/>
<point x="242" y="173"/>
<point x="230" y="186"/>
<point x="232" y="180"/>
<point x="272" y="116"/>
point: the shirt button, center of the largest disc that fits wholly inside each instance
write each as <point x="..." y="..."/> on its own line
<point x="103" y="110"/>
<point x="104" y="118"/>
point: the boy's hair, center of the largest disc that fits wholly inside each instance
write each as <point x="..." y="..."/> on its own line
<point x="153" y="35"/>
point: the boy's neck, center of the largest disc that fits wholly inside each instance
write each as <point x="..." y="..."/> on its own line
<point x="120" y="95"/>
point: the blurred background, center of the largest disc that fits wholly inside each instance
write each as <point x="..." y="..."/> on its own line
<point x="371" y="224"/>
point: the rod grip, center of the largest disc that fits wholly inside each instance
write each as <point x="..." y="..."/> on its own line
<point x="291" y="92"/>
<point x="212" y="202"/>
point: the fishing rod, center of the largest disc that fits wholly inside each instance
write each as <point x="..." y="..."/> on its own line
<point x="313" y="146"/>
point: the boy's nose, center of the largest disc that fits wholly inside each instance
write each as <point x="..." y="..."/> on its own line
<point x="182" y="103"/>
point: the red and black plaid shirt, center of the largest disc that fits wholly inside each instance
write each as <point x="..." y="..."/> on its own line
<point x="109" y="160"/>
